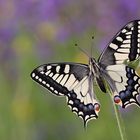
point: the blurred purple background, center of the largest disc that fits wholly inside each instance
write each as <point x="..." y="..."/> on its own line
<point x="33" y="32"/>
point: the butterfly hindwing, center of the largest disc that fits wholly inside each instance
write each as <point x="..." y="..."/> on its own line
<point x="73" y="81"/>
<point x="123" y="80"/>
<point x="82" y="101"/>
<point x="132" y="88"/>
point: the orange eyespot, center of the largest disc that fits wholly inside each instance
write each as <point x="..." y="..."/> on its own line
<point x="117" y="100"/>
<point x="97" y="107"/>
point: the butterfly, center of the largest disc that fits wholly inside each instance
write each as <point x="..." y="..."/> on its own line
<point x="75" y="80"/>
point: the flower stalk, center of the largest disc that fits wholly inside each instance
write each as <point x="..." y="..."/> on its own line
<point x="119" y="120"/>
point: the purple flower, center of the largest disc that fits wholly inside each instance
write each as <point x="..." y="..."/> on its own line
<point x="7" y="34"/>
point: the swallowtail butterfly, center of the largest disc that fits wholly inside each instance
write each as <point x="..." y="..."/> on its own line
<point x="75" y="80"/>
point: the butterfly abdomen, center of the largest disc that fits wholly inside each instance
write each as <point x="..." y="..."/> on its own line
<point x="101" y="84"/>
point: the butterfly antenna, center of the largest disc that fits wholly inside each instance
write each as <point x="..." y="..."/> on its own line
<point x="91" y="48"/>
<point x="82" y="50"/>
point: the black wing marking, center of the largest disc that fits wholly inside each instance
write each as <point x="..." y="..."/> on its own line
<point x="73" y="81"/>
<point x="124" y="46"/>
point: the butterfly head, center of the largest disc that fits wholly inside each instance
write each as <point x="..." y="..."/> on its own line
<point x="93" y="66"/>
<point x="92" y="61"/>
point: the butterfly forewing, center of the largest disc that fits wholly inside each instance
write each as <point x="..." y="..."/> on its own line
<point x="123" y="80"/>
<point x="57" y="77"/>
<point x="73" y="81"/>
<point x="124" y="46"/>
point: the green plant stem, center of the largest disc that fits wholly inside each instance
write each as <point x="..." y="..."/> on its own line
<point x="119" y="121"/>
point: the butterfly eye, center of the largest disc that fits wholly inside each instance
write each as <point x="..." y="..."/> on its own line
<point x="97" y="107"/>
<point x="117" y="99"/>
